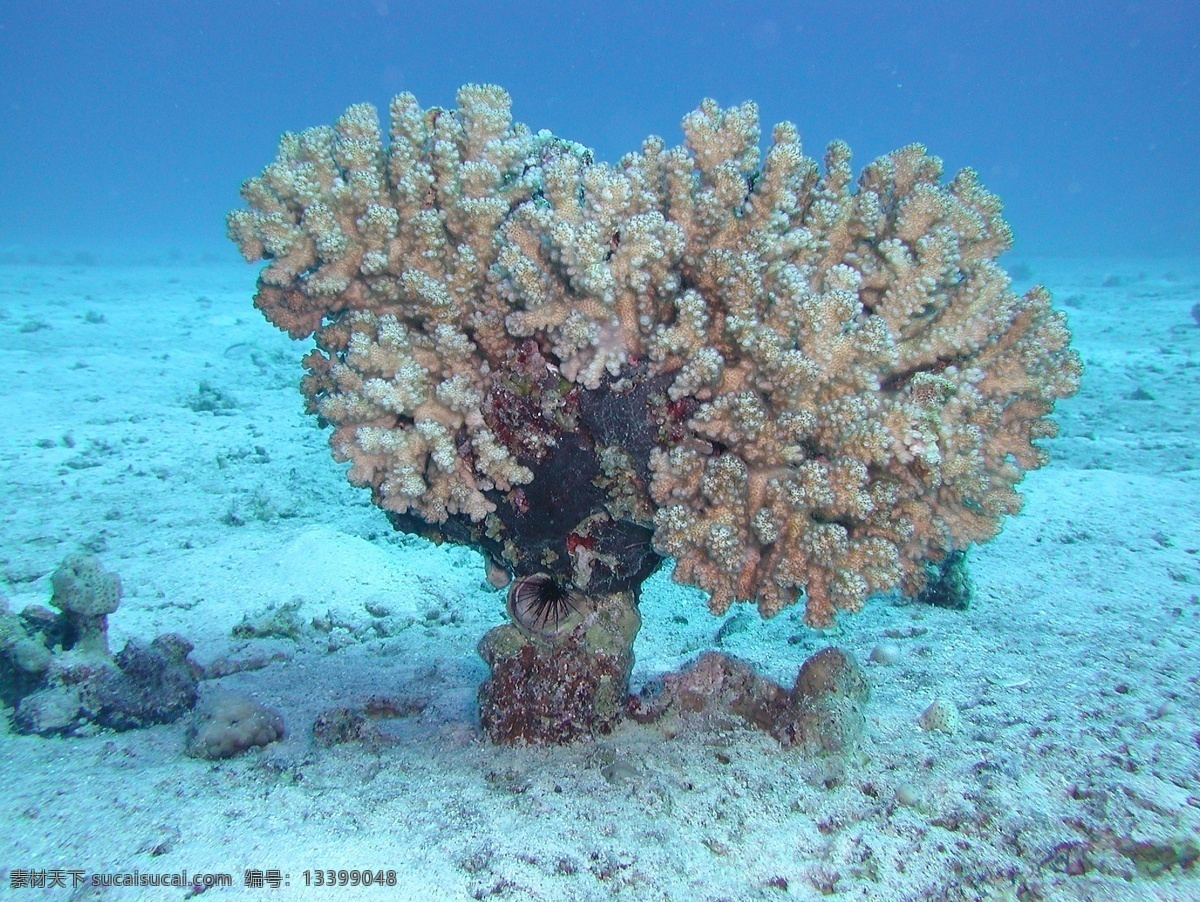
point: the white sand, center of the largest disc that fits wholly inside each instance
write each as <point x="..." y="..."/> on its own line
<point x="1075" y="670"/>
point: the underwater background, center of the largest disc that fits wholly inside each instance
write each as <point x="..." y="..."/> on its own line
<point x="155" y="429"/>
<point x="128" y="126"/>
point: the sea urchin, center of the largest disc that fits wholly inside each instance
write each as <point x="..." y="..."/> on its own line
<point x="542" y="607"/>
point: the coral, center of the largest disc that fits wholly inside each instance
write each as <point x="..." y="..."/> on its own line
<point x="86" y="593"/>
<point x="796" y="384"/>
<point x="229" y="723"/>
<point x="822" y="714"/>
<point x="55" y="669"/>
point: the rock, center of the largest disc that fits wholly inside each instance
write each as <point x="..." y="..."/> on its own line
<point x="822" y="713"/>
<point x="151" y="685"/>
<point x="229" y="723"/>
<point x="86" y="593"/>
<point x="826" y="706"/>
<point x="24" y="658"/>
<point x="339" y="726"/>
<point x="280" y="622"/>
<point x="886" y="653"/>
<point x="574" y="686"/>
<point x="49" y="711"/>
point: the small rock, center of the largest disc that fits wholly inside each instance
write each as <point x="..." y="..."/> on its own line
<point x="280" y="622"/>
<point x="229" y="723"/>
<point x="49" y="711"/>
<point x="338" y="726"/>
<point x="161" y="843"/>
<point x="886" y="653"/>
<point x="621" y="773"/>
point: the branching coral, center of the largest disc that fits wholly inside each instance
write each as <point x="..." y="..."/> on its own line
<point x="795" y="384"/>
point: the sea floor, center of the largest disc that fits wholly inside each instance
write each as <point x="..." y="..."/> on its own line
<point x="155" y="422"/>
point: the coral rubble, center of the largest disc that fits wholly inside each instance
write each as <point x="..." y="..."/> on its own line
<point x="795" y="384"/>
<point x="822" y="713"/>
<point x="57" y="673"/>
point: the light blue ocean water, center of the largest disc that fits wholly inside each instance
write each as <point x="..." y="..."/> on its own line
<point x="126" y="127"/>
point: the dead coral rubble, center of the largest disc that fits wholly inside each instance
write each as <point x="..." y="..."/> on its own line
<point x="822" y="713"/>
<point x="56" y="670"/>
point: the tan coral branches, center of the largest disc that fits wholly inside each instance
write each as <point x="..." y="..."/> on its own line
<point x="863" y="388"/>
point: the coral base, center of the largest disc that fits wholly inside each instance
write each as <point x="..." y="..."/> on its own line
<point x="574" y="688"/>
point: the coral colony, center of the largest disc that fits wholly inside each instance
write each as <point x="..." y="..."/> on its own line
<point x="795" y="385"/>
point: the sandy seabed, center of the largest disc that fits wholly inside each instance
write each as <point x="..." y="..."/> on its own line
<point x="154" y="421"/>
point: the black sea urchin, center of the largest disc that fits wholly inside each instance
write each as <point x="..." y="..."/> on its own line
<point x="538" y="604"/>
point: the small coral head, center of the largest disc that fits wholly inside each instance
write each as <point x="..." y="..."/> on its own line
<point x="543" y="608"/>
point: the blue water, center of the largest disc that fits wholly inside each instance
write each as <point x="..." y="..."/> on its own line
<point x="155" y="422"/>
<point x="125" y="128"/>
